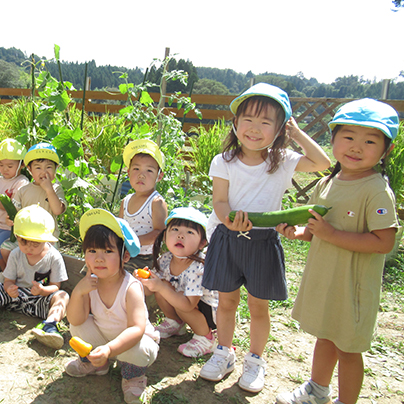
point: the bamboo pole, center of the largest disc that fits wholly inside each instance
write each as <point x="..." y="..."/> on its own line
<point x="163" y="91"/>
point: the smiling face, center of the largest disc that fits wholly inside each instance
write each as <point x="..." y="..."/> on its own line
<point x="358" y="149"/>
<point x="143" y="173"/>
<point x="257" y="127"/>
<point x="42" y="169"/>
<point x="9" y="168"/>
<point x="183" y="241"/>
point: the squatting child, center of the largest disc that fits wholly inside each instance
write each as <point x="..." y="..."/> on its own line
<point x="177" y="284"/>
<point x="34" y="273"/>
<point x="107" y="307"/>
<point x="338" y="298"/>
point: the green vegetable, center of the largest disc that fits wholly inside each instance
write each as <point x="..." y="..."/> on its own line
<point x="11" y="211"/>
<point x="292" y="217"/>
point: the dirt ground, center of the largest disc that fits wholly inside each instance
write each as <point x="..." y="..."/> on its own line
<point x="33" y="373"/>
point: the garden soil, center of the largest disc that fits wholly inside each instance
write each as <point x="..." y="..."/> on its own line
<point x="33" y="373"/>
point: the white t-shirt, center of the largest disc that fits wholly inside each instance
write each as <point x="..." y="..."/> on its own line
<point x="251" y="188"/>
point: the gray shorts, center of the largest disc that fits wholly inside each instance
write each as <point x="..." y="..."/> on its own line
<point x="26" y="302"/>
<point x="254" y="259"/>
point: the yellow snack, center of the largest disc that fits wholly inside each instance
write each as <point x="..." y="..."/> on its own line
<point x="81" y="347"/>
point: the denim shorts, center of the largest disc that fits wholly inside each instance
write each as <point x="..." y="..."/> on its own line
<point x="254" y="259"/>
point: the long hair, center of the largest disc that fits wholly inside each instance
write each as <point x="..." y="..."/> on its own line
<point x="100" y="236"/>
<point x="232" y="147"/>
<point x="337" y="167"/>
<point x="158" y="243"/>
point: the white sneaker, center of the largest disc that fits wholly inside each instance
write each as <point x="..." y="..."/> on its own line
<point x="134" y="390"/>
<point x="302" y="395"/>
<point x="170" y="327"/>
<point x="199" y="345"/>
<point x="252" y="379"/>
<point x="78" y="368"/>
<point x="219" y="365"/>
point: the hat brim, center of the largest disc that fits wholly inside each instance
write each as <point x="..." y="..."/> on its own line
<point x="48" y="238"/>
<point x="38" y="154"/>
<point x="365" y="124"/>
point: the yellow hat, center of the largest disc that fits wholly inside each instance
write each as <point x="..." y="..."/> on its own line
<point x="11" y="149"/>
<point x="119" y="226"/>
<point x="41" y="151"/>
<point x="34" y="223"/>
<point x="146" y="146"/>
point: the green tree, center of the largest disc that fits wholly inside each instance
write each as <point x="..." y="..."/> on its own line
<point x="12" y="76"/>
<point x="208" y="86"/>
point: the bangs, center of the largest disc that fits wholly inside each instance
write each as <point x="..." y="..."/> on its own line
<point x="188" y="223"/>
<point x="260" y="104"/>
<point x="100" y="236"/>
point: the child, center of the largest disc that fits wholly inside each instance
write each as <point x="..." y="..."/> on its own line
<point x="34" y="273"/>
<point x="11" y="155"/>
<point x="107" y="307"/>
<point x="178" y="288"/>
<point x="338" y="302"/>
<point x="145" y="210"/>
<point x="251" y="175"/>
<point x="42" y="161"/>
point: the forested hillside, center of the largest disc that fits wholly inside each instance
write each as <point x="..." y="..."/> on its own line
<point x="15" y="66"/>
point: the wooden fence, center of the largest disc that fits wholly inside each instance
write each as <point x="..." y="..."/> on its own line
<point x="314" y="113"/>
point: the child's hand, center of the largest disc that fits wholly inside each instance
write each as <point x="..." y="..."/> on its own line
<point x="36" y="288"/>
<point x="45" y="182"/>
<point x="12" y="291"/>
<point x="319" y="227"/>
<point x="9" y="222"/>
<point x="99" y="356"/>
<point x="240" y="222"/>
<point x="287" y="231"/>
<point x="87" y="284"/>
<point x="292" y="128"/>
<point x="153" y="284"/>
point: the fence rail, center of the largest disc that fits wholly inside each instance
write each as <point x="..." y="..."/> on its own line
<point x="312" y="113"/>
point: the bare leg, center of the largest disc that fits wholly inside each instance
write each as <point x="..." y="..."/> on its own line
<point x="350" y="376"/>
<point x="260" y="324"/>
<point x="226" y="317"/>
<point x="58" y="305"/>
<point x="324" y="361"/>
<point x="196" y="320"/>
<point x="167" y="308"/>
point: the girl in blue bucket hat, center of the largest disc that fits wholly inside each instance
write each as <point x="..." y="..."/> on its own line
<point x="338" y="299"/>
<point x="251" y="175"/>
<point x="177" y="282"/>
<point x="107" y="307"/>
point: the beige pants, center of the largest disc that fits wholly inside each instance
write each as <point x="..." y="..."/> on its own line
<point x="143" y="354"/>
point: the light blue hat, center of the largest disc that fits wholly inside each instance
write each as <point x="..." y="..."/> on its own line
<point x="265" y="90"/>
<point x="119" y="226"/>
<point x="369" y="113"/>
<point x="190" y="214"/>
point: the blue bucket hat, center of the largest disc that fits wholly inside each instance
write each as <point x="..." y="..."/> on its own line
<point x="119" y="226"/>
<point x="264" y="90"/>
<point x="369" y="113"/>
<point x="190" y="214"/>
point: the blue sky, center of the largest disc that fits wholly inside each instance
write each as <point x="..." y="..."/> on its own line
<point x="320" y="38"/>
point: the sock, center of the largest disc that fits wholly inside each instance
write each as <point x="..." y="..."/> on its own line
<point x="337" y="402"/>
<point x="209" y="335"/>
<point x="129" y="370"/>
<point x="319" y="391"/>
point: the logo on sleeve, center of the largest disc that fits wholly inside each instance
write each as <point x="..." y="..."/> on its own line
<point x="381" y="211"/>
<point x="350" y="213"/>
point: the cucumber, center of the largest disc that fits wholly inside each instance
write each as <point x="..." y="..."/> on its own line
<point x="11" y="212"/>
<point x="292" y="217"/>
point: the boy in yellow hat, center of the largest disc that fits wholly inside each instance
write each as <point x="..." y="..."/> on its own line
<point x="145" y="210"/>
<point x="34" y="273"/>
<point x="12" y="154"/>
<point x="42" y="161"/>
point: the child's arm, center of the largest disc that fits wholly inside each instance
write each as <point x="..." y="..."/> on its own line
<point x="176" y="299"/>
<point x="131" y="335"/>
<point x="159" y="215"/>
<point x="314" y="158"/>
<point x="222" y="208"/>
<point x="374" y="242"/>
<point x="56" y="205"/>
<point x="10" y="287"/>
<point x="78" y="308"/>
